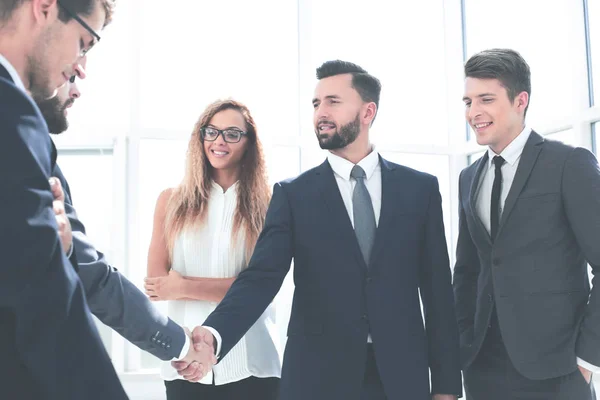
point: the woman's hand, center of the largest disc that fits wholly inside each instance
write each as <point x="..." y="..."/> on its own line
<point x="165" y="287"/>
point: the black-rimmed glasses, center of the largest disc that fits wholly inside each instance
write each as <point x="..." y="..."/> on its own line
<point x="82" y="23"/>
<point x="211" y="134"/>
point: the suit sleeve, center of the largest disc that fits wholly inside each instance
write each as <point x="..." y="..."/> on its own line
<point x="55" y="337"/>
<point x="581" y="198"/>
<point x="118" y="303"/>
<point x="438" y="302"/>
<point x="257" y="285"/>
<point x="466" y="272"/>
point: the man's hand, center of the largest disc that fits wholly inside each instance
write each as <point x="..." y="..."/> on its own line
<point x="200" y="358"/>
<point x="164" y="287"/>
<point x="444" y="397"/>
<point x="64" y="226"/>
<point x="587" y="375"/>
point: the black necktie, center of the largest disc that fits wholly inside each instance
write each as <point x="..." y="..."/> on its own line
<point x="496" y="190"/>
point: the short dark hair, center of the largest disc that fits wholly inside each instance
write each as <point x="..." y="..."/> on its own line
<point x="505" y="65"/>
<point x="79" y="7"/>
<point x="367" y="86"/>
<point x="85" y="8"/>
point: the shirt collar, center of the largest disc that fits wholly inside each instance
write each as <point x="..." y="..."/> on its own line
<point x="343" y="167"/>
<point x="513" y="151"/>
<point x="13" y="73"/>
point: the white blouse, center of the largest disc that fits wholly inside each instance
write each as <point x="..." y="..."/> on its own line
<point x="206" y="251"/>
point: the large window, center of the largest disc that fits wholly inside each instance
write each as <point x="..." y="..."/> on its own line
<point x="403" y="45"/>
<point x="552" y="42"/>
<point x="194" y="52"/>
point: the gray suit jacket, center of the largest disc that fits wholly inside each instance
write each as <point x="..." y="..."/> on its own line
<point x="535" y="272"/>
<point x="116" y="301"/>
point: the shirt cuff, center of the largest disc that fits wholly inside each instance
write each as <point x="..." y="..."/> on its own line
<point x="588" y="366"/>
<point x="217" y="338"/>
<point x="184" y="350"/>
<point x="70" y="252"/>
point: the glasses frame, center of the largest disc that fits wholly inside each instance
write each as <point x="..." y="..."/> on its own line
<point x="222" y="133"/>
<point x="82" y="23"/>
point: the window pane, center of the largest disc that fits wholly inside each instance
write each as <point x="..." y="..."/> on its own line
<point x="86" y="173"/>
<point x="104" y="108"/>
<point x="411" y="67"/>
<point x="204" y="57"/>
<point x="437" y="165"/>
<point x="594" y="28"/>
<point x="490" y="23"/>
<point x="283" y="162"/>
<point x="566" y="136"/>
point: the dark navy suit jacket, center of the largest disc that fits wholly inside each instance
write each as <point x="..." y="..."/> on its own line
<point x="49" y="345"/>
<point x="339" y="300"/>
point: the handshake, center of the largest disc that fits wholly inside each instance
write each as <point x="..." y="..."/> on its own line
<point x="200" y="357"/>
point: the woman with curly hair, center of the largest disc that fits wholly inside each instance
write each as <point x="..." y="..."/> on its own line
<point x="204" y="234"/>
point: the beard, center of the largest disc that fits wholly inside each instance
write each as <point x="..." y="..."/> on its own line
<point x="340" y="138"/>
<point x="54" y="113"/>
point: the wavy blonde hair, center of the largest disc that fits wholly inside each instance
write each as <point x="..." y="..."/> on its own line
<point x="188" y="203"/>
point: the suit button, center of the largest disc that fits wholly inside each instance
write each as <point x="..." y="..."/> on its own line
<point x="496" y="261"/>
<point x="369" y="280"/>
<point x="364" y="317"/>
<point x="490" y="298"/>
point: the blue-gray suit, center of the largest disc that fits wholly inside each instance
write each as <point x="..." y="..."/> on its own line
<point x="116" y="301"/>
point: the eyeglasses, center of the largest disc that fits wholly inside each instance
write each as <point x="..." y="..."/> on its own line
<point x="82" y="23"/>
<point x="211" y="134"/>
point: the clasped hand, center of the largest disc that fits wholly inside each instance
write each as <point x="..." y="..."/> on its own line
<point x="200" y="358"/>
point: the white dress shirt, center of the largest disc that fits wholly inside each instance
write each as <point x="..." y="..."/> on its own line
<point x="206" y="250"/>
<point x="512" y="156"/>
<point x="13" y="73"/>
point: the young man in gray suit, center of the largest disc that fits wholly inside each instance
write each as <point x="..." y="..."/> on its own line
<point x="529" y="224"/>
<point x="112" y="298"/>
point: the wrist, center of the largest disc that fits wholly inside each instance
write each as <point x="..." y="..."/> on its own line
<point x="182" y="289"/>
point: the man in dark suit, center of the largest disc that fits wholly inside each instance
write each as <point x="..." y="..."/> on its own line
<point x="366" y="237"/>
<point x="111" y="297"/>
<point x="529" y="221"/>
<point x="49" y="346"/>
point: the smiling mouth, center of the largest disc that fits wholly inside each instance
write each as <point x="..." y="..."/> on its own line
<point x="482" y="125"/>
<point x="325" y="126"/>
<point x="219" y="153"/>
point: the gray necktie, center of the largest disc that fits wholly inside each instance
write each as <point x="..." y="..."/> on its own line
<point x="364" y="217"/>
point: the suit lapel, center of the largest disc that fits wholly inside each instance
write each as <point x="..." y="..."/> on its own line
<point x="337" y="210"/>
<point x="482" y="163"/>
<point x="387" y="207"/>
<point x="528" y="158"/>
<point x="4" y="73"/>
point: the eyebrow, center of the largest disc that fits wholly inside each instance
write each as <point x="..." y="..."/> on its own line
<point x="229" y="127"/>
<point x="480" y="95"/>
<point x="331" y="96"/>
